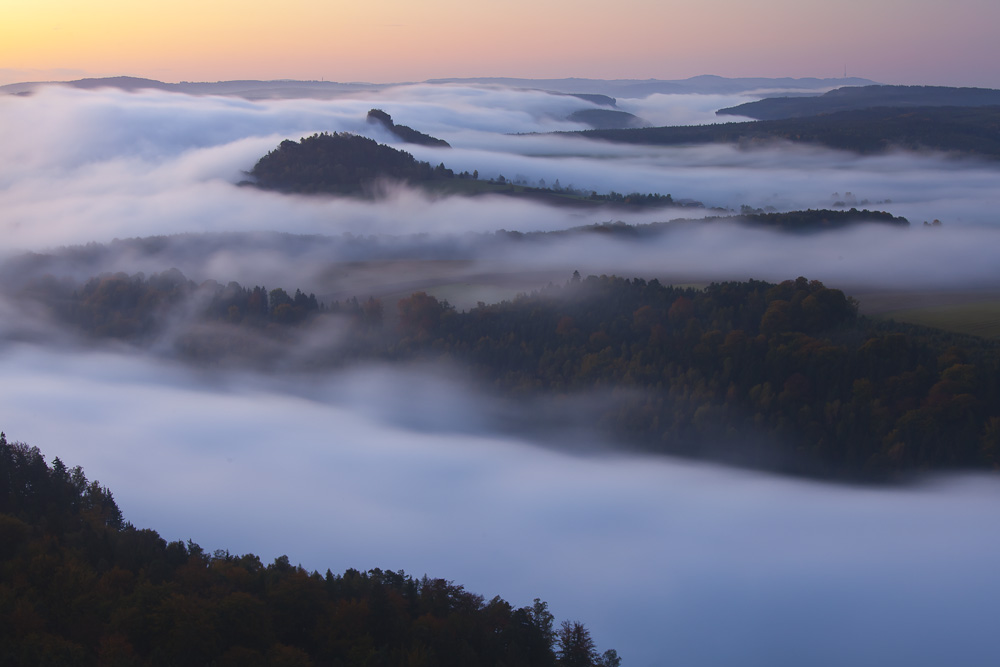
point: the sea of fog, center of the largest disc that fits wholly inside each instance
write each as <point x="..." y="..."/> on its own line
<point x="670" y="563"/>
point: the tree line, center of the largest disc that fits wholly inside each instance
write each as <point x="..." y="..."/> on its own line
<point x="782" y="376"/>
<point x="80" y="586"/>
<point x="136" y="307"/>
<point x="785" y="377"/>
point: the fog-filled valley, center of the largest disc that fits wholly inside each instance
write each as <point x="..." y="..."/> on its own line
<point x="414" y="465"/>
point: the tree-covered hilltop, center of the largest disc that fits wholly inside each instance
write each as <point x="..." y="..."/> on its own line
<point x="339" y="163"/>
<point x="80" y="586"/>
<point x="347" y="164"/>
<point x="783" y="377"/>
<point x="863" y="97"/>
<point x="973" y="131"/>
<point x="404" y="132"/>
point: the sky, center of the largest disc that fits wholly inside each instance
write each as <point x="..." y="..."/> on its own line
<point x="889" y="41"/>
<point x="411" y="468"/>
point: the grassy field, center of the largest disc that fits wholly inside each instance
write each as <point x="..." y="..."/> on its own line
<point x="980" y="318"/>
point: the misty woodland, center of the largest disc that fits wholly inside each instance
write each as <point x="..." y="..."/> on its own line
<point x="670" y="356"/>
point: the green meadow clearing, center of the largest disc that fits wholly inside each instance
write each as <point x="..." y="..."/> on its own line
<point x="980" y="318"/>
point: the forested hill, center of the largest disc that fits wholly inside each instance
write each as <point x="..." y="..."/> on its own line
<point x="972" y="131"/>
<point x="782" y="377"/>
<point x="339" y="163"/>
<point x="348" y="164"/>
<point x="80" y="586"/>
<point x="864" y="97"/>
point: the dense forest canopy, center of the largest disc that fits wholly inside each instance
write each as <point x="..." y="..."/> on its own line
<point x="340" y="163"/>
<point x="784" y="377"/>
<point x="80" y="586"/>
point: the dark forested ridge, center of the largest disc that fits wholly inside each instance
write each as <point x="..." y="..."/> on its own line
<point x="961" y="130"/>
<point x="404" y="132"/>
<point x="792" y="222"/>
<point x="813" y="220"/>
<point x="79" y="586"/>
<point x="864" y="97"/>
<point x="783" y="377"/>
<point x="606" y="119"/>
<point x="348" y="164"/>
<point x="339" y="163"/>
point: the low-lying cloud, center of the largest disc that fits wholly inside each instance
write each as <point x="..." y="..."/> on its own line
<point x="94" y="166"/>
<point x="84" y="166"/>
<point x="668" y="562"/>
<point x="403" y="468"/>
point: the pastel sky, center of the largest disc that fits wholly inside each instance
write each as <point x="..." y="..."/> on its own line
<point x="891" y="41"/>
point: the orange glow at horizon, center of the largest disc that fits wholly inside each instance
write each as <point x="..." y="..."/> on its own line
<point x="392" y="40"/>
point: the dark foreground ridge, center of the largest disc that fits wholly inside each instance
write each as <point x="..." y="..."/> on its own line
<point x="782" y="377"/>
<point x="80" y="586"/>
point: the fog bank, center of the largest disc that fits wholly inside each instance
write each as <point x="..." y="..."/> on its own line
<point x="668" y="562"/>
<point x="405" y="468"/>
<point x="83" y="166"/>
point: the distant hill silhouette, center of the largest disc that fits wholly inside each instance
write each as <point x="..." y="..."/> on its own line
<point x="971" y="131"/>
<point x="606" y="119"/>
<point x="597" y="91"/>
<point x="865" y="97"/>
<point x="407" y="134"/>
<point x="699" y="85"/>
<point x="599" y="100"/>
